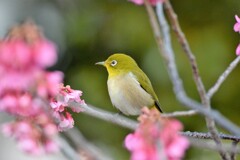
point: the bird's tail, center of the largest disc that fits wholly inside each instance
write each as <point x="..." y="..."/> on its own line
<point x="157" y="105"/>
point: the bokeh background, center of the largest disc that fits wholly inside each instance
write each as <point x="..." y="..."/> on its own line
<point x="88" y="31"/>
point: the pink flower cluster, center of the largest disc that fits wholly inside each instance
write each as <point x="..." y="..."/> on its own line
<point x="156" y="138"/>
<point x="34" y="135"/>
<point x="67" y="98"/>
<point x="236" y="28"/>
<point x="140" y="2"/>
<point x="26" y="89"/>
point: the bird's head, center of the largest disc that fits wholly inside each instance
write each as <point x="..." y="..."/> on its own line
<point x="118" y="63"/>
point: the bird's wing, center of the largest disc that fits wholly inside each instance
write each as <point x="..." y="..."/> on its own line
<point x="144" y="82"/>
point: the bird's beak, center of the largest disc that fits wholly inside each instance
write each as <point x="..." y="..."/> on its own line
<point x="100" y="63"/>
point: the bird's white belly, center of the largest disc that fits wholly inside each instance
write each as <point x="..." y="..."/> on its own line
<point x="127" y="95"/>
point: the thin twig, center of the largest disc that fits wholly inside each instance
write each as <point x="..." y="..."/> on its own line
<point x="67" y="150"/>
<point x="211" y="146"/>
<point x="200" y="135"/>
<point x="108" y="116"/>
<point x="90" y="150"/>
<point x="223" y="77"/>
<point x="155" y="27"/>
<point x="233" y="150"/>
<point x="180" y="113"/>
<point x="185" y="45"/>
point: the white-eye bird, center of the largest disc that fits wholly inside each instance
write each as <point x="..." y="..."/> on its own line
<point x="128" y="86"/>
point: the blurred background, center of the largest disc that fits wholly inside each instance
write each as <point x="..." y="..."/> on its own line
<point x="88" y="31"/>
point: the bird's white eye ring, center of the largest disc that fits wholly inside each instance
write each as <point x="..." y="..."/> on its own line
<point x="114" y="63"/>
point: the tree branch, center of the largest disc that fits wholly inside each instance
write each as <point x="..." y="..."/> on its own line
<point x="200" y="135"/>
<point x="108" y="116"/>
<point x="180" y="113"/>
<point x="67" y="150"/>
<point x="211" y="146"/>
<point x="223" y="77"/>
<point x="82" y="145"/>
<point x="185" y="45"/>
<point x="233" y="150"/>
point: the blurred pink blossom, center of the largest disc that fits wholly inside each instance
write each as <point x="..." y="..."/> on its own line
<point x="41" y="53"/>
<point x="29" y="145"/>
<point x="50" y="129"/>
<point x="48" y="83"/>
<point x="29" y="135"/>
<point x="156" y="138"/>
<point x="140" y="2"/>
<point x="51" y="146"/>
<point x="236" y="27"/>
<point x="19" y="104"/>
<point x="18" y="51"/>
<point x="44" y="53"/>
<point x="66" y="122"/>
<point x="11" y="79"/>
<point x="26" y="90"/>
<point x="238" y="50"/>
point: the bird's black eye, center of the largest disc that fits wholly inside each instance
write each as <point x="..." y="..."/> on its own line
<point x="114" y="63"/>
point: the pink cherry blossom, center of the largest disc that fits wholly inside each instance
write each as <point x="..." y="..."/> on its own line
<point x="70" y="94"/>
<point x="29" y="93"/>
<point x="238" y="50"/>
<point x="51" y="146"/>
<point x="50" y="129"/>
<point x="7" y="129"/>
<point x="66" y="99"/>
<point x="140" y="2"/>
<point x="58" y="106"/>
<point x="44" y="53"/>
<point x="33" y="134"/>
<point x="66" y="122"/>
<point x="48" y="83"/>
<point x="156" y="138"/>
<point x="140" y="148"/>
<point x="20" y="104"/>
<point x="236" y="27"/>
<point x="8" y="102"/>
<point x="29" y="145"/>
<point x="19" y="51"/>
<point x="172" y="141"/>
<point x="16" y="79"/>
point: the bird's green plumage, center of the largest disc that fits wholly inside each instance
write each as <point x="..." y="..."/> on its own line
<point x="146" y="85"/>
